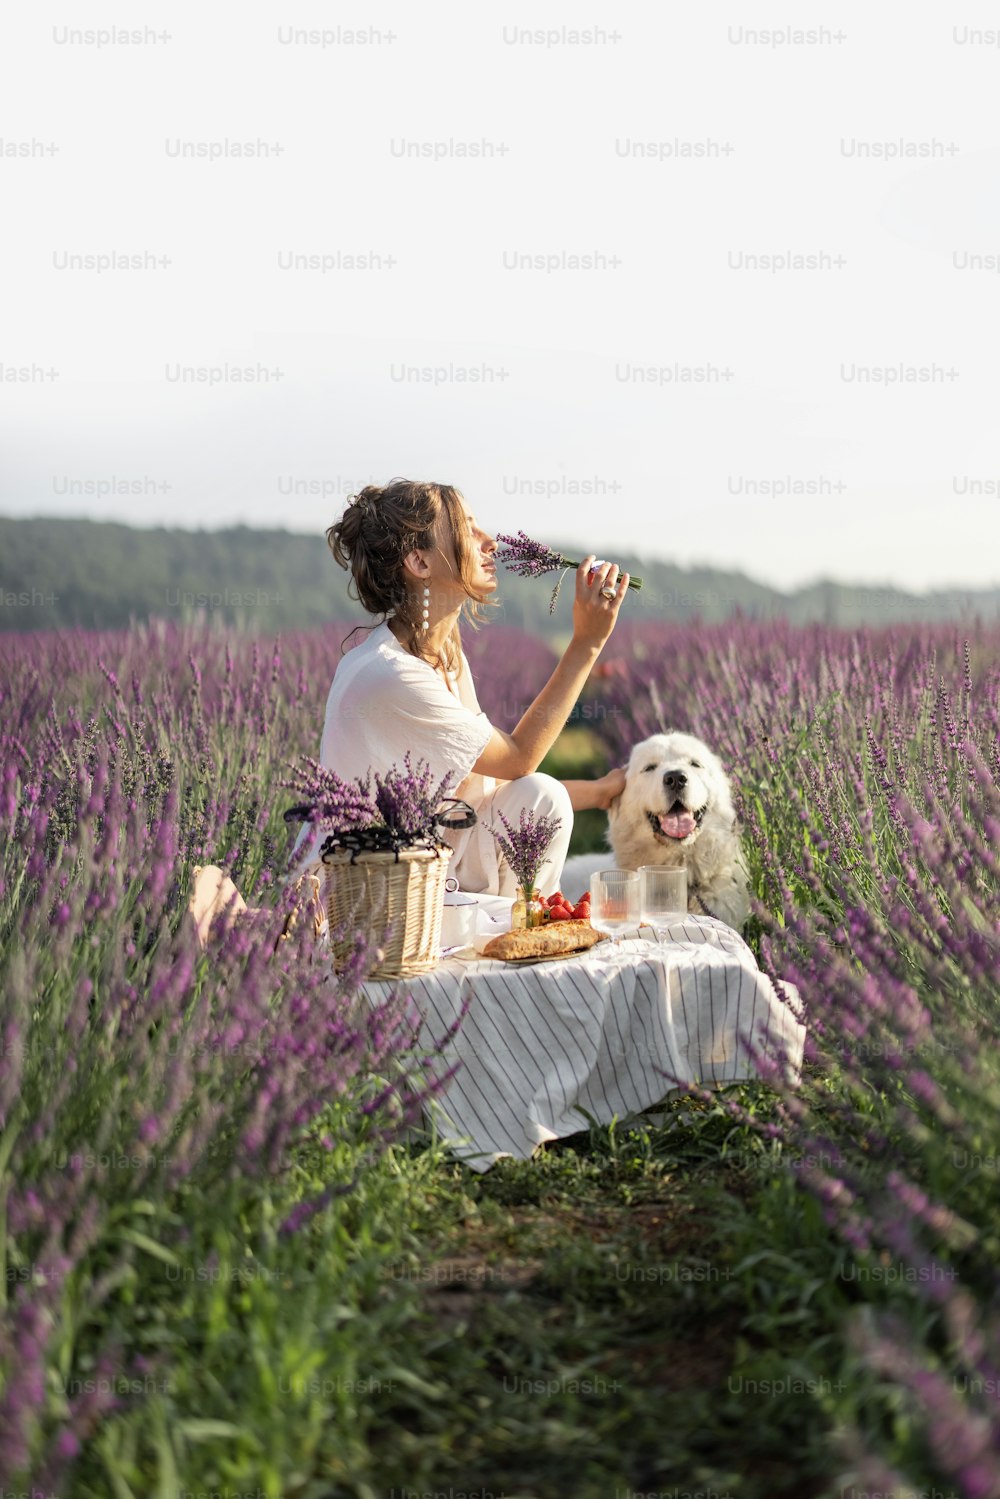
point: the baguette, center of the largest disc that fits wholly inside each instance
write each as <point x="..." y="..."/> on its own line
<point x="540" y="941"/>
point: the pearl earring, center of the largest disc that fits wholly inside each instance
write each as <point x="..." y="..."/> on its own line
<point x="427" y="600"/>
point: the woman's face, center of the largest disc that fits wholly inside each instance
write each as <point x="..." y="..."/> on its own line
<point x="481" y="548"/>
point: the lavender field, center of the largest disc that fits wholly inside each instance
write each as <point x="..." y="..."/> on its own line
<point x="230" y="1264"/>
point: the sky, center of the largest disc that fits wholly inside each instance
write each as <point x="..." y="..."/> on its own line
<point x="717" y="286"/>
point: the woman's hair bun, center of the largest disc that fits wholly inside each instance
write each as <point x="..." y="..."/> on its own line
<point x="381" y="526"/>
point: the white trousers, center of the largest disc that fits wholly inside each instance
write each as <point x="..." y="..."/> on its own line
<point x="477" y="862"/>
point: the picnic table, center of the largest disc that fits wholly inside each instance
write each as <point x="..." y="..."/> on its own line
<point x="611" y="1031"/>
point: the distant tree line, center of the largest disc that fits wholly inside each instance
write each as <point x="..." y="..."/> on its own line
<point x="56" y="573"/>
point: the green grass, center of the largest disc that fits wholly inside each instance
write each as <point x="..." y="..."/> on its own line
<point x="650" y="1307"/>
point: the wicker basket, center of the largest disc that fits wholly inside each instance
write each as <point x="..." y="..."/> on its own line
<point x="378" y="892"/>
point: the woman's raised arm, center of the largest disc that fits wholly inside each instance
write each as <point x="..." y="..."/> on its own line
<point x="519" y="753"/>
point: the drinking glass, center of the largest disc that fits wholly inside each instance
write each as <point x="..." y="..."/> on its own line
<point x="614" y="901"/>
<point x="662" y="895"/>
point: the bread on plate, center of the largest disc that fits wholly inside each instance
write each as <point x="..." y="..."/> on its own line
<point x="542" y="941"/>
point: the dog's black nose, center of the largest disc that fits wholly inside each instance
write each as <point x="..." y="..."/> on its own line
<point x="675" y="780"/>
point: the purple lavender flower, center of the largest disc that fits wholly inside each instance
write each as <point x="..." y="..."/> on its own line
<point x="525" y="846"/>
<point x="408" y="801"/>
<point x="405" y="802"/>
<point x="533" y="559"/>
<point x="336" y="805"/>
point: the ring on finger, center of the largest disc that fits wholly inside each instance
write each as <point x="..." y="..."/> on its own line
<point x="607" y="593"/>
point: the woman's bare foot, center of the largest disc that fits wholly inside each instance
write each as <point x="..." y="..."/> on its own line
<point x="213" y="894"/>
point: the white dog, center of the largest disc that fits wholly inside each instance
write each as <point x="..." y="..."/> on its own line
<point x="676" y="809"/>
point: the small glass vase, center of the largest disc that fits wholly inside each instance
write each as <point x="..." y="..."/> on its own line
<point x="527" y="910"/>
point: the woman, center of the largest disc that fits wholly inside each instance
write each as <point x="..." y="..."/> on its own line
<point x="418" y="557"/>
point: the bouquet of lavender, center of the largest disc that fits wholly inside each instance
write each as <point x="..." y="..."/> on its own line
<point x="335" y="805"/>
<point x="405" y="809"/>
<point x="525" y="846"/>
<point x="532" y="559"/>
<point x="408" y="803"/>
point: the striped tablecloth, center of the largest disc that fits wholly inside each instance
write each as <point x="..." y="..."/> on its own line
<point x="610" y="1031"/>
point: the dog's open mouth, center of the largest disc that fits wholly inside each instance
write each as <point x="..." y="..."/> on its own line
<point x="678" y="823"/>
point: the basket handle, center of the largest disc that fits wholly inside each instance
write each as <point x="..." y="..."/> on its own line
<point x="301" y="813"/>
<point x="462" y="817"/>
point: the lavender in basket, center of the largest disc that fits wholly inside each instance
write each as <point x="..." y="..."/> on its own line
<point x="402" y="811"/>
<point x="335" y="805"/>
<point x="408" y="802"/>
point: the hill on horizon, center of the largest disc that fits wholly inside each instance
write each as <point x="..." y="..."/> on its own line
<point x="56" y="573"/>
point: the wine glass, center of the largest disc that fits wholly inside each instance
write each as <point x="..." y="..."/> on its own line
<point x="662" y="896"/>
<point x="614" y="901"/>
